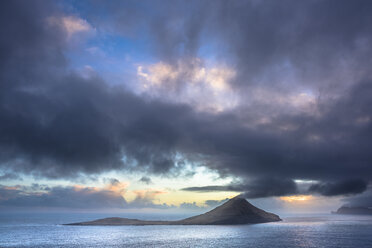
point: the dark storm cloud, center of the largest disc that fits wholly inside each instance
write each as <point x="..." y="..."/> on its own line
<point x="349" y="187"/>
<point x="312" y="38"/>
<point x="215" y="188"/>
<point x="270" y="187"/>
<point x="56" y="123"/>
<point x="256" y="189"/>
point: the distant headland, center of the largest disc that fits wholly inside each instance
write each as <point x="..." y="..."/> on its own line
<point x="353" y="210"/>
<point x="233" y="212"/>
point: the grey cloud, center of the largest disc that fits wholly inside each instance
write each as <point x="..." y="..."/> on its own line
<point x="10" y="176"/>
<point x="62" y="197"/>
<point x="258" y="188"/>
<point x="349" y="187"/>
<point x="208" y="205"/>
<point x="190" y="206"/>
<point x="212" y="188"/>
<point x="214" y="203"/>
<point x="147" y="203"/>
<point x="308" y="37"/>
<point x="146" y="180"/>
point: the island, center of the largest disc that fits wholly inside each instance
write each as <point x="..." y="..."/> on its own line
<point x="354" y="210"/>
<point x="233" y="212"/>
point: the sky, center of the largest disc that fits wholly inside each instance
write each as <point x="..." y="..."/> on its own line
<point x="179" y="105"/>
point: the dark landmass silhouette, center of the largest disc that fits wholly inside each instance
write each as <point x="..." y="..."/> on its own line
<point x="354" y="210"/>
<point x="233" y="212"/>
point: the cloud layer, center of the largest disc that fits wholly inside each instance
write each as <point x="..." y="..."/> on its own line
<point x="112" y="196"/>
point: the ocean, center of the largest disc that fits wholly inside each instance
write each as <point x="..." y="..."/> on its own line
<point x="45" y="230"/>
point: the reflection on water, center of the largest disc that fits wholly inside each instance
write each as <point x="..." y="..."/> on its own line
<point x="43" y="230"/>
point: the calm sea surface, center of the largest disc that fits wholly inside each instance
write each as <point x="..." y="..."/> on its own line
<point x="44" y="230"/>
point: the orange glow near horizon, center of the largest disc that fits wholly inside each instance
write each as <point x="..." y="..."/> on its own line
<point x="296" y="198"/>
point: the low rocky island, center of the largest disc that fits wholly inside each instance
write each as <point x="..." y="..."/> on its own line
<point x="233" y="212"/>
<point x="354" y="210"/>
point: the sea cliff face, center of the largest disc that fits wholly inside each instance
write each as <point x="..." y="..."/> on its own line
<point x="233" y="212"/>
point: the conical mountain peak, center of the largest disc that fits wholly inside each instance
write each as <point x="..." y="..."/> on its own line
<point x="235" y="211"/>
